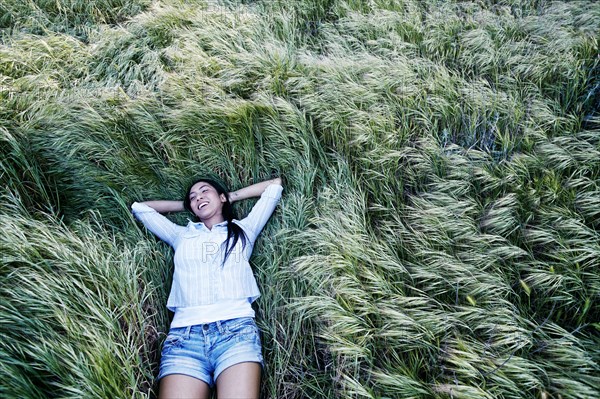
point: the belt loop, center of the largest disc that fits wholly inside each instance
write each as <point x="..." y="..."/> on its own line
<point x="187" y="332"/>
<point x="220" y="327"/>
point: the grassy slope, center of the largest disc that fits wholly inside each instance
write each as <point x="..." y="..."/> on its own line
<point x="439" y="231"/>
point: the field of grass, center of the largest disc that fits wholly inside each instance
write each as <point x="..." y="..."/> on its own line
<point x="439" y="231"/>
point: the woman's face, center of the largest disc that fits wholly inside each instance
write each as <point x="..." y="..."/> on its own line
<point x="205" y="201"/>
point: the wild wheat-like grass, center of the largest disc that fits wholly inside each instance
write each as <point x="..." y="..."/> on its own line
<point x="438" y="232"/>
<point x="75" y="307"/>
<point x="69" y="16"/>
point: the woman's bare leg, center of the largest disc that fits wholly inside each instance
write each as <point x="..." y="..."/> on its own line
<point x="241" y="380"/>
<point x="179" y="386"/>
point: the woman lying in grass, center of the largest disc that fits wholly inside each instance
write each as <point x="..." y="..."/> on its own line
<point x="213" y="336"/>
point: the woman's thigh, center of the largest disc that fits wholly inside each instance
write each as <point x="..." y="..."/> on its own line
<point x="179" y="386"/>
<point x="241" y="380"/>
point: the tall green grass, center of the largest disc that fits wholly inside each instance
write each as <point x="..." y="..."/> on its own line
<point x="75" y="17"/>
<point x="438" y="234"/>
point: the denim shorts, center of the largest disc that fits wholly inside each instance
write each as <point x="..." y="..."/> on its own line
<point x="203" y="351"/>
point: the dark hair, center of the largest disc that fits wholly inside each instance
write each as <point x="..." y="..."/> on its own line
<point x="233" y="230"/>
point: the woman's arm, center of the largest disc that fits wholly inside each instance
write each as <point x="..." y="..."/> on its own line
<point x="165" y="206"/>
<point x="150" y="216"/>
<point x="254" y="190"/>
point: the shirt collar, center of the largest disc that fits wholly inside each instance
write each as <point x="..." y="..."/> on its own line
<point x="200" y="225"/>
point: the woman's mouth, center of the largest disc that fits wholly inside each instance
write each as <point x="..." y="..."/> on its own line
<point x="202" y="205"/>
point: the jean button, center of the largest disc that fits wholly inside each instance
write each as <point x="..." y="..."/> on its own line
<point x="205" y="327"/>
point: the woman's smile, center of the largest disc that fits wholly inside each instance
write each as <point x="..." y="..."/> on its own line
<point x="205" y="201"/>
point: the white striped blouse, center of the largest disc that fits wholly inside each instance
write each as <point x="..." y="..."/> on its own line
<point x="199" y="277"/>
